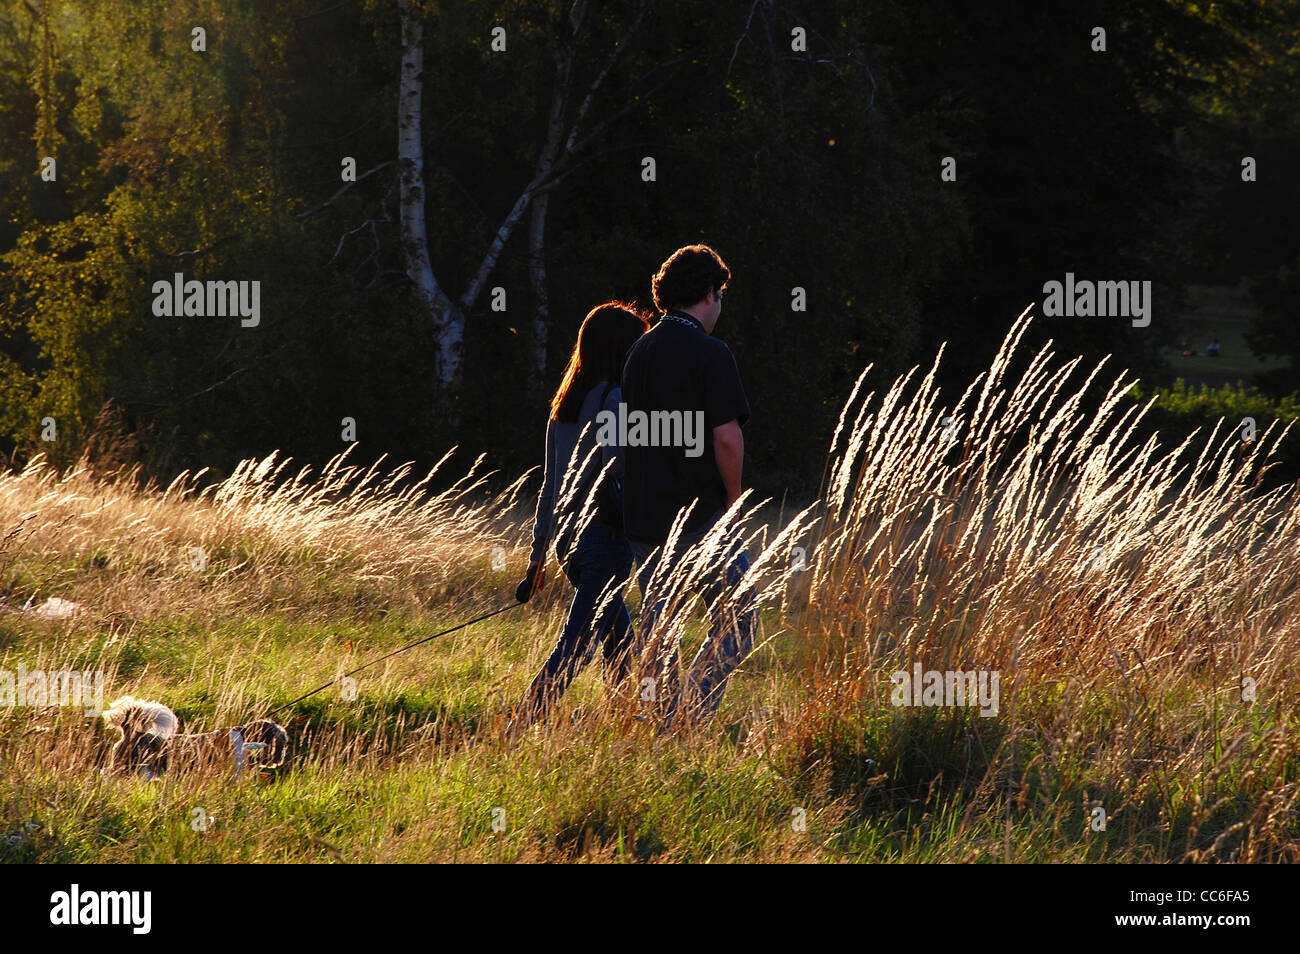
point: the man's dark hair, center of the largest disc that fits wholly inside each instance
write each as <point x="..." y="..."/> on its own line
<point x="687" y="276"/>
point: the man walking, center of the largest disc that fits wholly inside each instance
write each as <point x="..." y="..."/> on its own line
<point x="678" y="367"/>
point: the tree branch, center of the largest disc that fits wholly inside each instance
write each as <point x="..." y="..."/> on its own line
<point x="330" y="142"/>
<point x="550" y="166"/>
<point x="196" y="252"/>
<point x="301" y="216"/>
<point x="600" y="77"/>
<point x="739" y="40"/>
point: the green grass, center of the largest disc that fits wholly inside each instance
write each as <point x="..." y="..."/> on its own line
<point x="1121" y="681"/>
<point x="414" y="768"/>
<point x="1225" y="314"/>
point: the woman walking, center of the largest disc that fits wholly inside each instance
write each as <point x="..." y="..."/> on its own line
<point x="582" y="479"/>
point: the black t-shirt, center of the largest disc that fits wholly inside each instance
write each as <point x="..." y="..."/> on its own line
<point x="679" y="383"/>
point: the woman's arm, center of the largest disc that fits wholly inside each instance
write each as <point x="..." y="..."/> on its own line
<point x="612" y="451"/>
<point x="544" y="516"/>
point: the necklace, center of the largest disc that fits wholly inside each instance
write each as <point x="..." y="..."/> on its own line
<point x="682" y="321"/>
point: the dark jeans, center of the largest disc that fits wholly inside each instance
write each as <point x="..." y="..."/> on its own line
<point x="730" y="638"/>
<point x="599" y="569"/>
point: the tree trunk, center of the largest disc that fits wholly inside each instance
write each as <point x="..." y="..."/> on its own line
<point x="448" y="318"/>
<point x="448" y="314"/>
<point x="537" y="277"/>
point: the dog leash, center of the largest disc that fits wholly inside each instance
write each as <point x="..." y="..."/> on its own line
<point x="537" y="575"/>
<point x="476" y="619"/>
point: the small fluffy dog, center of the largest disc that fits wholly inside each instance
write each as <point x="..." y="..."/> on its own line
<point x="150" y="743"/>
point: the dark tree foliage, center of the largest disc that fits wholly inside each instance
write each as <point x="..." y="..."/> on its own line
<point x="803" y="140"/>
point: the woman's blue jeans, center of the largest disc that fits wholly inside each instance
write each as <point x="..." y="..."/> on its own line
<point x="599" y="570"/>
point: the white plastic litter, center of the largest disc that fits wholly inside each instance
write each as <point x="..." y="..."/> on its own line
<point x="54" y="608"/>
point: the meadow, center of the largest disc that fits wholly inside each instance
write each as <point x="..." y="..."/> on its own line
<point x="1139" y="601"/>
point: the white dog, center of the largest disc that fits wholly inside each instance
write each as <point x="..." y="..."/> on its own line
<point x="150" y="742"/>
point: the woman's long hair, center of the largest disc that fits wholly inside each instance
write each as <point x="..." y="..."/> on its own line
<point x="607" y="334"/>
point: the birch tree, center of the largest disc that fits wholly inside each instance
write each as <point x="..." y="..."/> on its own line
<point x="569" y="132"/>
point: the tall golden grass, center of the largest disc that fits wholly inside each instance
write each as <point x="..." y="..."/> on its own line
<point x="1131" y="596"/>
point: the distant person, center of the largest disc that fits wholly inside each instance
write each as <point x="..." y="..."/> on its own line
<point x="679" y="367"/>
<point x="599" y="562"/>
<point x="1213" y="349"/>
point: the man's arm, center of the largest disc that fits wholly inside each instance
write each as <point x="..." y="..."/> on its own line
<point x="729" y="452"/>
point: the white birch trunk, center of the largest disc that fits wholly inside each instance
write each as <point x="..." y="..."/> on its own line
<point x="448" y="318"/>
